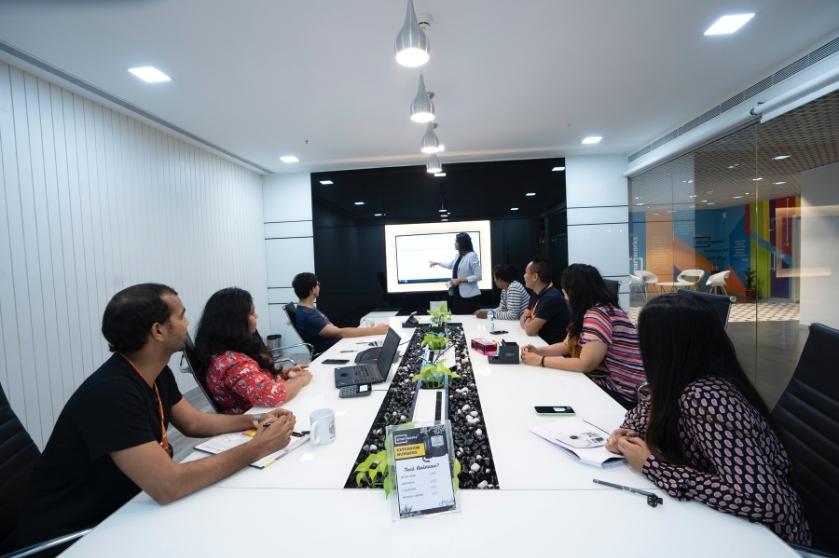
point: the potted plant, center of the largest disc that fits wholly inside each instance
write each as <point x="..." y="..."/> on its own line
<point x="432" y="375"/>
<point x="750" y="293"/>
<point x="436" y="344"/>
<point x="440" y="317"/>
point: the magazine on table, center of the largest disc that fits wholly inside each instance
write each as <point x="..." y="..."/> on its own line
<point x="224" y="442"/>
<point x="580" y="439"/>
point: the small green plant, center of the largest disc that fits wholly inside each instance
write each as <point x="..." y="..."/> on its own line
<point x="432" y="374"/>
<point x="751" y="275"/>
<point x="373" y="472"/>
<point x="440" y="316"/>
<point x="435" y="341"/>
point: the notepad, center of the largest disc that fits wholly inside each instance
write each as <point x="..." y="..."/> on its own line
<point x="579" y="439"/>
<point x="225" y="442"/>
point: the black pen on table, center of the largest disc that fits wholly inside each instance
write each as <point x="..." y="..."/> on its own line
<point x="652" y="499"/>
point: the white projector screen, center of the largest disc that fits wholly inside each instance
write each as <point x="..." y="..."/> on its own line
<point x="409" y="248"/>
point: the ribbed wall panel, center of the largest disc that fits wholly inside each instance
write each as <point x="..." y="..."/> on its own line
<point x="91" y="201"/>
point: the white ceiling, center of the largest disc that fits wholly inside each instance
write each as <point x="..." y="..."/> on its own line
<point x="512" y="79"/>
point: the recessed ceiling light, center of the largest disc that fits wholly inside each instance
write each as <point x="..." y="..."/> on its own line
<point x="558" y="169"/>
<point x="780" y="182"/>
<point x="444" y="219"/>
<point x="590" y="140"/>
<point x="514" y="209"/>
<point x="781" y="157"/>
<point x="728" y="24"/>
<point x="326" y="182"/>
<point x="637" y="197"/>
<point x="440" y="174"/>
<point x="530" y="194"/>
<point x="710" y="203"/>
<point x="149" y="74"/>
<point x="736" y="197"/>
<point x="758" y="179"/>
<point x="288" y="159"/>
<point x="704" y="201"/>
<point x="692" y="196"/>
<point x="687" y="181"/>
<point x="378" y="214"/>
<point x="748" y="193"/>
<point x="639" y="204"/>
<point x="709" y="191"/>
<point x="734" y="166"/>
<point x="359" y="203"/>
<point x="441" y="211"/>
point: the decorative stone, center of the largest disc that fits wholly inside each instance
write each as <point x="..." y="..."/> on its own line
<point x="483" y="484"/>
<point x="474" y="413"/>
<point x="479" y="432"/>
<point x="373" y="448"/>
<point x="475" y="468"/>
<point x="465" y="408"/>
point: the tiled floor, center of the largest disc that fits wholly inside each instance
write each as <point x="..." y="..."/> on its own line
<point x="764" y="311"/>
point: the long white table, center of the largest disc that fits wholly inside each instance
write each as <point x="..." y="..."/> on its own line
<point x="547" y="501"/>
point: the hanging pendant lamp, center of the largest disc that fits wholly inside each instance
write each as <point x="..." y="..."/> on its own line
<point x="411" y="43"/>
<point x="422" y="109"/>
<point x="430" y="141"/>
<point x="433" y="166"/>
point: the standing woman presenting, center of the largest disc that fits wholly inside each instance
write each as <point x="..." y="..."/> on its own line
<point x="466" y="271"/>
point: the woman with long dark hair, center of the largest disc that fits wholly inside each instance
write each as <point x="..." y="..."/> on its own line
<point x="601" y="341"/>
<point x="703" y="433"/>
<point x="234" y="362"/>
<point x="464" y="293"/>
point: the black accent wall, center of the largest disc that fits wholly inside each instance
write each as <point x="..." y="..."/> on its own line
<point x="349" y="239"/>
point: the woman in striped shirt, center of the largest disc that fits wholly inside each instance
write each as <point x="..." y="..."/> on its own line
<point x="514" y="297"/>
<point x="601" y="342"/>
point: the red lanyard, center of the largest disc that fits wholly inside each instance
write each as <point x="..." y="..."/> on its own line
<point x="164" y="435"/>
<point x="538" y="300"/>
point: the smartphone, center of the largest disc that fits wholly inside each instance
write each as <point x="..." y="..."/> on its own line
<point x="554" y="410"/>
<point x="335" y="361"/>
<point x="499" y="332"/>
<point x="355" y="391"/>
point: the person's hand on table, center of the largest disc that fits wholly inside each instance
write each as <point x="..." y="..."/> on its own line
<point x="531" y="358"/>
<point x="612" y="440"/>
<point x="272" y="415"/>
<point x="480" y="314"/>
<point x="635" y="450"/>
<point x="274" y="430"/>
<point x="527" y="314"/>
<point x="293" y="371"/>
<point x="303" y="377"/>
<point x="530" y="349"/>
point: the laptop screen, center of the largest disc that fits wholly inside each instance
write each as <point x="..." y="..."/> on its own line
<point x="388" y="352"/>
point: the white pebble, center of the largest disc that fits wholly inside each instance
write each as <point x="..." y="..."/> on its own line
<point x="478" y="458"/>
<point x="465" y="408"/>
<point x="373" y="448"/>
<point x="475" y="468"/>
<point x="479" y="432"/>
<point x="483" y="484"/>
<point x="474" y="413"/>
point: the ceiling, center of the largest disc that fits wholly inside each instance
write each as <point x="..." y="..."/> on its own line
<point x="317" y="79"/>
<point x="725" y="173"/>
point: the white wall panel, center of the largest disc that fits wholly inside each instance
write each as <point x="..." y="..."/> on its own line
<point x="603" y="246"/>
<point x="287" y="197"/>
<point x="286" y="257"/>
<point x="92" y="201"/>
<point x="595" y="180"/>
<point x="819" y="254"/>
<point x="281" y="296"/>
<point x="288" y="229"/>
<point x="593" y="215"/>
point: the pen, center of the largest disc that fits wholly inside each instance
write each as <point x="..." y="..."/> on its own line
<point x="652" y="499"/>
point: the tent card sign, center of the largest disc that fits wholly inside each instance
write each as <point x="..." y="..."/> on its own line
<point x="422" y="462"/>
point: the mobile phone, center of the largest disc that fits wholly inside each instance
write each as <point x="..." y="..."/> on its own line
<point x="335" y="361"/>
<point x="499" y="332"/>
<point x="355" y="391"/>
<point x="554" y="410"/>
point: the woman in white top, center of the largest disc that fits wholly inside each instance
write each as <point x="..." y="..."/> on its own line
<point x="464" y="294"/>
<point x="514" y="297"/>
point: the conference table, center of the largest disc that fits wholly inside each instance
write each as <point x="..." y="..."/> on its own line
<point x="546" y="501"/>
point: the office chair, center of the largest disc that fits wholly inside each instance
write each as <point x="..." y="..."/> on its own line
<point x="807" y="415"/>
<point x="717" y="282"/>
<point x="645" y="278"/>
<point x="720" y="303"/>
<point x="18" y="454"/>
<point x="192" y="368"/>
<point x="291" y="311"/>
<point x="613" y="286"/>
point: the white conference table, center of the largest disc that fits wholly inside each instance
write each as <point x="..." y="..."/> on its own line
<point x="546" y="501"/>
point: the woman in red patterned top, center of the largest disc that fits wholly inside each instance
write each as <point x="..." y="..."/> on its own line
<point x="233" y="361"/>
<point x="601" y="342"/>
<point x="703" y="433"/>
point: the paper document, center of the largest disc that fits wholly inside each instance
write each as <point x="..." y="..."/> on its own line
<point x="581" y="440"/>
<point x="225" y="442"/>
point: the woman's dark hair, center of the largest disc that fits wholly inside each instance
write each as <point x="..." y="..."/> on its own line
<point x="505" y="272"/>
<point x="682" y="340"/>
<point x="224" y="327"/>
<point x="585" y="288"/>
<point x="303" y="283"/>
<point x="130" y="314"/>
<point x="464" y="243"/>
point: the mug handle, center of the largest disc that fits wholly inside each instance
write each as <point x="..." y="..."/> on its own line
<point x="313" y="433"/>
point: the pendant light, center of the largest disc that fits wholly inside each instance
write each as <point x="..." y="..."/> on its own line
<point x="411" y="43"/>
<point x="433" y="166"/>
<point x="422" y="109"/>
<point x="430" y="142"/>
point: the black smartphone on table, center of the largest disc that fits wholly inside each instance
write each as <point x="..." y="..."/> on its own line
<point x="552" y="410"/>
<point x="335" y="361"/>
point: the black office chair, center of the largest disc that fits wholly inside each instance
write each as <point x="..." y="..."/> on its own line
<point x="808" y="416"/>
<point x="720" y="303"/>
<point x="613" y="286"/>
<point x="18" y="454"/>
<point x="291" y="311"/>
<point x="192" y="368"/>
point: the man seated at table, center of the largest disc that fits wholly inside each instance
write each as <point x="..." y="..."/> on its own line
<point x="314" y="327"/>
<point x="111" y="441"/>
<point x="514" y="297"/>
<point x="548" y="314"/>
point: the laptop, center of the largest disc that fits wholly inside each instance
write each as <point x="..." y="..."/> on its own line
<point x="370" y="371"/>
<point x="372" y="354"/>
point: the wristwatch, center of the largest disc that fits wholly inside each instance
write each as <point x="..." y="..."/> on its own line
<point x="542" y="364"/>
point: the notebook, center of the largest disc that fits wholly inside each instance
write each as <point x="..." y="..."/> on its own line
<point x="225" y="442"/>
<point x="580" y="439"/>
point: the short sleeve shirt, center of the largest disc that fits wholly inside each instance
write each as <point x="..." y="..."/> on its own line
<point x="551" y="306"/>
<point x="309" y="322"/>
<point x="75" y="483"/>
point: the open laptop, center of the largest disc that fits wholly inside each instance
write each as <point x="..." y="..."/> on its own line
<point x="370" y="371"/>
<point x="372" y="354"/>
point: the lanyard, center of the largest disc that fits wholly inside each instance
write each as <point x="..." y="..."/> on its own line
<point x="539" y="299"/>
<point x="164" y="435"/>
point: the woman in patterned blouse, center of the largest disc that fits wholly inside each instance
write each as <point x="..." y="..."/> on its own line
<point x="703" y="433"/>
<point x="601" y="341"/>
<point x="233" y="361"/>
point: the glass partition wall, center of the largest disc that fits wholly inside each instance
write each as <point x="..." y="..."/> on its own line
<point x="755" y="215"/>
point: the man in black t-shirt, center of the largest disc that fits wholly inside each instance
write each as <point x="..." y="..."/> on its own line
<point x="111" y="441"/>
<point x="548" y="314"/>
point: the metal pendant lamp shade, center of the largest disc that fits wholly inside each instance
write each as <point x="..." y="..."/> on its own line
<point x="433" y="166"/>
<point x="430" y="142"/>
<point x="411" y="43"/>
<point x="422" y="109"/>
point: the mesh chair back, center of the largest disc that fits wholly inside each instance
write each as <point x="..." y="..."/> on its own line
<point x="808" y="416"/>
<point x="291" y="311"/>
<point x="192" y="362"/>
<point x="720" y="303"/>
<point x="613" y="286"/>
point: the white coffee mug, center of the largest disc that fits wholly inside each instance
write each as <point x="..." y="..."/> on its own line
<point x="322" y="427"/>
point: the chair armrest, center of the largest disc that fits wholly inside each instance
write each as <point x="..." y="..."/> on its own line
<point x="807" y="552"/>
<point x="37" y="548"/>
<point x="308" y="346"/>
<point x="289" y="360"/>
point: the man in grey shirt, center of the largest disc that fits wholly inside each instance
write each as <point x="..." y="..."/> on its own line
<point x="514" y="297"/>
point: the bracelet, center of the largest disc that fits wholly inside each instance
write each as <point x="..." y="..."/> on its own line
<point x="543" y="361"/>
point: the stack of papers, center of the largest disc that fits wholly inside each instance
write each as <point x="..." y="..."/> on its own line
<point x="579" y="439"/>
<point x="225" y="442"/>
